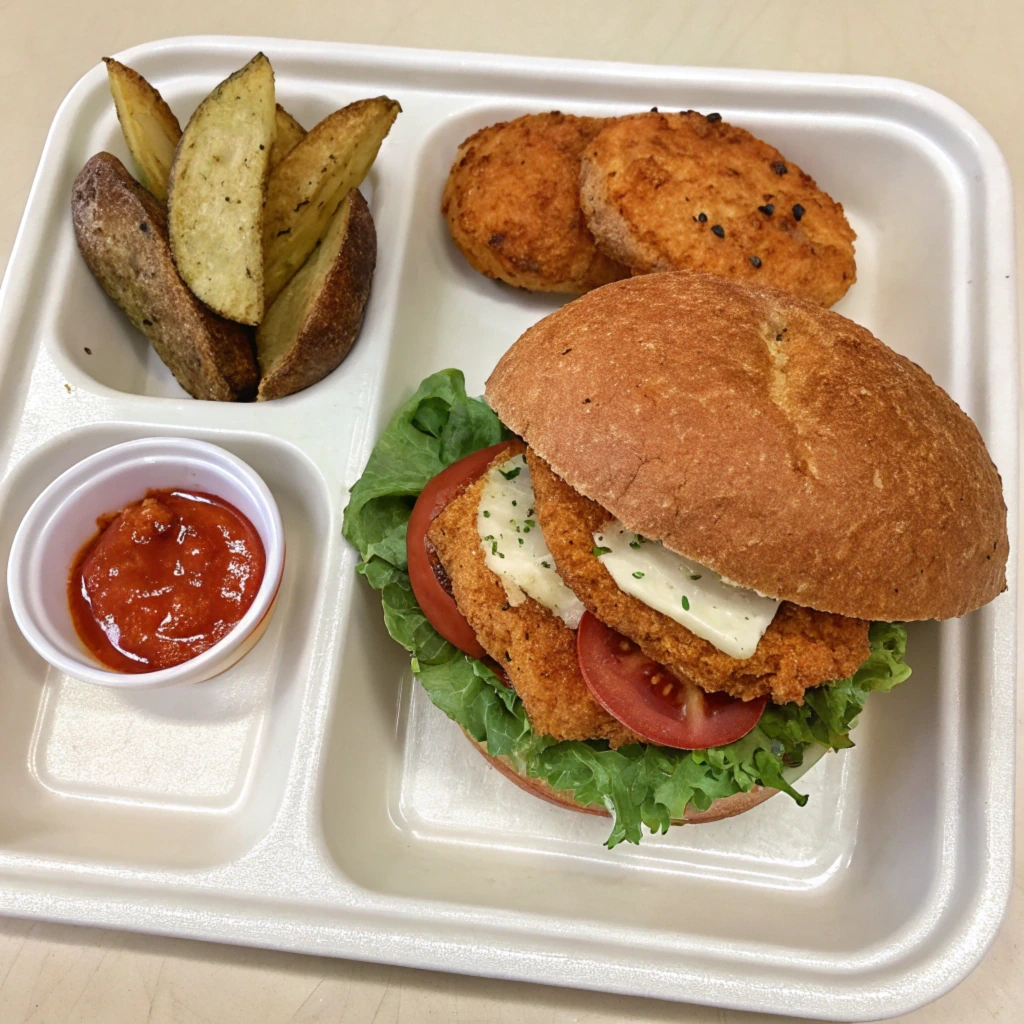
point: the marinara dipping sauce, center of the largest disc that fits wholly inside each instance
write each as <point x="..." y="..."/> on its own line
<point x="164" y="579"/>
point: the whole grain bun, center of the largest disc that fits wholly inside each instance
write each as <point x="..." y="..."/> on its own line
<point x="772" y="440"/>
<point x="725" y="807"/>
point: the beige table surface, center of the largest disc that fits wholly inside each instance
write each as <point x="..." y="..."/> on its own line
<point x="972" y="50"/>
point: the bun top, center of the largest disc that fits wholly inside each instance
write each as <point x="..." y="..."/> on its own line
<point x="772" y="440"/>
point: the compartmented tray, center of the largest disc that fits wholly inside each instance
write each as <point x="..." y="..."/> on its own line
<point x="311" y="798"/>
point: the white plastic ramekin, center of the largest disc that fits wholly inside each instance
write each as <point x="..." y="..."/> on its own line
<point x="63" y="518"/>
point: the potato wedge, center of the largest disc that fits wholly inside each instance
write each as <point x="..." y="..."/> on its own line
<point x="289" y="134"/>
<point x="147" y="123"/>
<point x="121" y="230"/>
<point x="308" y="185"/>
<point x="216" y="192"/>
<point x="313" y="324"/>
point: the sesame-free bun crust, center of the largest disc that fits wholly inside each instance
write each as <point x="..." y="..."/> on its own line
<point x="725" y="807"/>
<point x="667" y="191"/>
<point x="773" y="441"/>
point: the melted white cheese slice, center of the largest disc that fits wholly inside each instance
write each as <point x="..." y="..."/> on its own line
<point x="513" y="543"/>
<point x="730" y="617"/>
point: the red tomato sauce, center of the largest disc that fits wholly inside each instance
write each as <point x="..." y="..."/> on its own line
<point x="164" y="579"/>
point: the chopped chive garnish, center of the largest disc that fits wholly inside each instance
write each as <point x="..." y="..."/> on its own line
<point x="487" y="515"/>
<point x="511" y="474"/>
<point x="489" y="536"/>
<point x="526" y="529"/>
<point x="638" y="575"/>
<point x="695" y="576"/>
<point x="530" y="522"/>
<point x="494" y="548"/>
<point x="547" y="565"/>
<point x="636" y="541"/>
<point x="513" y="503"/>
<point x="520" y="540"/>
<point x="599" y="551"/>
<point x="686" y="603"/>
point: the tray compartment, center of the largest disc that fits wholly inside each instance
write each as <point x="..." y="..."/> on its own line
<point x="872" y="859"/>
<point x="184" y="776"/>
<point x="858" y="866"/>
<point x="902" y="196"/>
<point x="81" y="316"/>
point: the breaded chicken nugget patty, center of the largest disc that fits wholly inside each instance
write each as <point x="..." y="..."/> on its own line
<point x="512" y="203"/>
<point x="800" y="649"/>
<point x="689" y="192"/>
<point x="536" y="649"/>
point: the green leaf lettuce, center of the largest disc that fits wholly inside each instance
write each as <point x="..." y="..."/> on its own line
<point x="640" y="784"/>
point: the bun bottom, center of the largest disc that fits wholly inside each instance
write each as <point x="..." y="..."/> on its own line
<point x="725" y="807"/>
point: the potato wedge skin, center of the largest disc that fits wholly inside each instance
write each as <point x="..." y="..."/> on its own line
<point x="217" y="190"/>
<point x="121" y="229"/>
<point x="289" y="134"/>
<point x="329" y="316"/>
<point x="312" y="180"/>
<point x="149" y="126"/>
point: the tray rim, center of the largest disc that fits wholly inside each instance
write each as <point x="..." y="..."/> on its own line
<point x="31" y="897"/>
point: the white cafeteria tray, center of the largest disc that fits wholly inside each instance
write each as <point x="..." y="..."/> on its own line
<point x="311" y="798"/>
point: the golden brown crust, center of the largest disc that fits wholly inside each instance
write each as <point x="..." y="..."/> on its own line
<point x="334" y="315"/>
<point x="148" y="124"/>
<point x="310" y="183"/>
<point x="724" y="807"/>
<point x="217" y="190"/>
<point x="536" y="649"/>
<point x="774" y="441"/>
<point x="800" y="649"/>
<point x="122" y="232"/>
<point x="289" y="133"/>
<point x="512" y="205"/>
<point x="659" y="189"/>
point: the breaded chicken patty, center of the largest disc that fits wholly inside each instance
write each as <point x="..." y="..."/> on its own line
<point x="689" y="192"/>
<point x="512" y="204"/>
<point x="801" y="648"/>
<point x="535" y="648"/>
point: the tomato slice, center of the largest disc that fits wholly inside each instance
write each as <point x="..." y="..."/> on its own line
<point x="645" y="697"/>
<point x="429" y="581"/>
